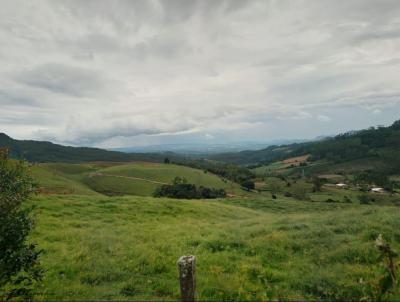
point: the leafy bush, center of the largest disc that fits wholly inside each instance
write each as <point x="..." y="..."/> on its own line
<point x="182" y="190"/>
<point x="229" y="171"/>
<point x="365" y="199"/>
<point x="248" y="185"/>
<point x="19" y="260"/>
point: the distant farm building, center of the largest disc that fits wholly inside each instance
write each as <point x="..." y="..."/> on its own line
<point x="377" y="190"/>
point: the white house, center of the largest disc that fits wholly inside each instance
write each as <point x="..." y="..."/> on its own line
<point x="377" y="190"/>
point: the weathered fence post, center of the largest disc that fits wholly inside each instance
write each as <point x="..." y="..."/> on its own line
<point x="187" y="278"/>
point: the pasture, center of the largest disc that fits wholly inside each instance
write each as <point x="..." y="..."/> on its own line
<point x="117" y="179"/>
<point x="101" y="243"/>
<point x="126" y="248"/>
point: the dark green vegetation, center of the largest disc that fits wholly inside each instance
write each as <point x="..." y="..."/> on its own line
<point x="37" y="151"/>
<point x="19" y="259"/>
<point x="375" y="149"/>
<point x="232" y="172"/>
<point x="180" y="189"/>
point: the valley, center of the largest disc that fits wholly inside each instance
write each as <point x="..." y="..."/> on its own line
<point x="295" y="228"/>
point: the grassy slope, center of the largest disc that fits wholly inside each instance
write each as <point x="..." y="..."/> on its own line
<point x="156" y="172"/>
<point x="98" y="177"/>
<point x="126" y="248"/>
<point x="54" y="182"/>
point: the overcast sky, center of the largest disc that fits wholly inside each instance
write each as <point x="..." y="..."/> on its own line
<point x="126" y="73"/>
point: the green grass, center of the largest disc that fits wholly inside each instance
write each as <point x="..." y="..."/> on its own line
<point x="264" y="170"/>
<point x="54" y="182"/>
<point x="248" y="248"/>
<point x="126" y="248"/>
<point x="114" y="186"/>
<point x="105" y="178"/>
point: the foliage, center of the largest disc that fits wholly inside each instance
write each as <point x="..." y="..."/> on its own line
<point x="180" y="189"/>
<point x="317" y="184"/>
<point x="373" y="177"/>
<point x="248" y="184"/>
<point x="366" y="199"/>
<point x="229" y="171"/>
<point x="19" y="259"/>
<point x="388" y="282"/>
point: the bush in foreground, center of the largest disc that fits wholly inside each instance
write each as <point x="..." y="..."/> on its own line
<point x="19" y="265"/>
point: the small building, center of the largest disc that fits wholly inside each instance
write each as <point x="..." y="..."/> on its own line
<point x="342" y="185"/>
<point x="377" y="190"/>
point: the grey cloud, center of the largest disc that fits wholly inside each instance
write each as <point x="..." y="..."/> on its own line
<point x="77" y="133"/>
<point x="17" y="98"/>
<point x="380" y="34"/>
<point x="95" y="71"/>
<point x="62" y="79"/>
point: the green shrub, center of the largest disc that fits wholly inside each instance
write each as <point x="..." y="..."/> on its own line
<point x="248" y="185"/>
<point x="19" y="259"/>
<point x="182" y="190"/>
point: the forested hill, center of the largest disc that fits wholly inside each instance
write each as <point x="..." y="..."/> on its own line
<point x="380" y="144"/>
<point x="41" y="151"/>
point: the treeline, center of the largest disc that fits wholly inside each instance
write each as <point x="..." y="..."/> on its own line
<point x="371" y="177"/>
<point x="238" y="174"/>
<point x="381" y="144"/>
<point x="182" y="190"/>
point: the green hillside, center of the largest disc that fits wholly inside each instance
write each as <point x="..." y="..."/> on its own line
<point x="126" y="248"/>
<point x="54" y="182"/>
<point x="41" y="151"/>
<point x="139" y="178"/>
<point x="371" y="149"/>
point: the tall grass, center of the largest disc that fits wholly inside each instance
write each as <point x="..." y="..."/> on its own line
<point x="126" y="248"/>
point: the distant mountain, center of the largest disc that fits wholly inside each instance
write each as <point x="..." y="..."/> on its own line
<point x="206" y="148"/>
<point x="42" y="151"/>
<point x="380" y="145"/>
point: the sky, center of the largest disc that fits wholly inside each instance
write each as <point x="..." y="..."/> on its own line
<point x="129" y="73"/>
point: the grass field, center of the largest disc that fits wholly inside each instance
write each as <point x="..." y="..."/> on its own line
<point x="249" y="247"/>
<point x="137" y="178"/>
<point x="126" y="248"/>
<point x="55" y="182"/>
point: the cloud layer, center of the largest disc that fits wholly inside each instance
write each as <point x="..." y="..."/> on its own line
<point x="118" y="73"/>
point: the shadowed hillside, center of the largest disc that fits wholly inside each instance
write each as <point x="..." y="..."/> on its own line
<point x="42" y="151"/>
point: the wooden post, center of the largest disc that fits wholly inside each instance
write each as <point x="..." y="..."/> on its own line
<point x="187" y="278"/>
